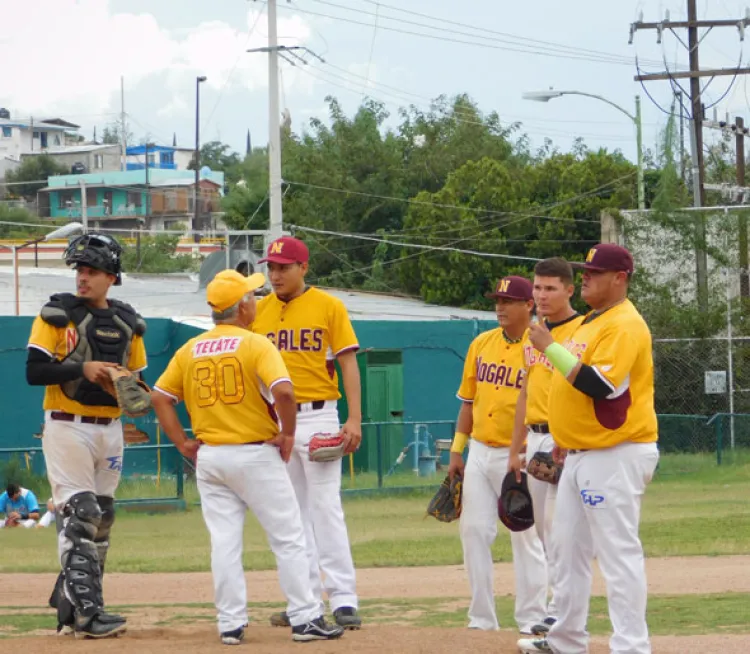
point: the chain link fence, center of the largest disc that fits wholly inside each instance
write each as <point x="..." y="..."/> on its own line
<point x="691" y="285"/>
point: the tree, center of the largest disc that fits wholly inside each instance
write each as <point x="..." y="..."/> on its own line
<point x="157" y="255"/>
<point x="34" y="171"/>
<point x="112" y="134"/>
<point x="217" y="156"/>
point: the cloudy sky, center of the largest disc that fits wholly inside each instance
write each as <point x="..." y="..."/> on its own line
<point x="66" y="57"/>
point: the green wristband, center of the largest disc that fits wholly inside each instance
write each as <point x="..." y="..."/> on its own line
<point x="561" y="358"/>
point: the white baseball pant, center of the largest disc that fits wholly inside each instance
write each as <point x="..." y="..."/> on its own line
<point x="598" y="514"/>
<point x="82" y="457"/>
<point x="485" y="470"/>
<point x="232" y="479"/>
<point x="28" y="524"/>
<point x="543" y="496"/>
<point x="318" y="489"/>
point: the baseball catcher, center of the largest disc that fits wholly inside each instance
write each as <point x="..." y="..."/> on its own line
<point x="446" y="504"/>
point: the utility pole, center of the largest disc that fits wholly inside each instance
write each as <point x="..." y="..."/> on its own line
<point x="123" y="130"/>
<point x="742" y="218"/>
<point x="275" y="226"/>
<point x="696" y="123"/>
<point x="84" y="207"/>
<point x="197" y="157"/>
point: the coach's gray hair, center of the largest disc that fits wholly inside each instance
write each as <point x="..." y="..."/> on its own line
<point x="230" y="313"/>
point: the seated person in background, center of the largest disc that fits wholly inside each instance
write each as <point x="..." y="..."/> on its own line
<point x="20" y="507"/>
<point x="49" y="516"/>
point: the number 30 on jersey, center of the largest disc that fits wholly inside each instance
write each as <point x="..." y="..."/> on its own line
<point x="219" y="380"/>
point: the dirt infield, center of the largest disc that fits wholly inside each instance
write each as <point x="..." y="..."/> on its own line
<point x="370" y="640"/>
<point x="170" y="628"/>
<point x="666" y="576"/>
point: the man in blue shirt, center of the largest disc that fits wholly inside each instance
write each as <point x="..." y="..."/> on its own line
<point x="20" y="507"/>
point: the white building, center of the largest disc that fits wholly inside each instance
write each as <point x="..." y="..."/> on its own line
<point x="19" y="136"/>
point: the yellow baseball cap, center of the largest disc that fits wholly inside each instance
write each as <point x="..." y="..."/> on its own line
<point x="228" y="287"/>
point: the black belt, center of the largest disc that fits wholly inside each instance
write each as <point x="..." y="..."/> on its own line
<point x="539" y="428"/>
<point x="577" y="451"/>
<point x="87" y="420"/>
<point x="317" y="405"/>
<point x="253" y="443"/>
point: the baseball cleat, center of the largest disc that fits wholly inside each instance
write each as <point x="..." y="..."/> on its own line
<point x="533" y="646"/>
<point x="317" y="629"/>
<point x="347" y="617"/>
<point x="233" y="637"/>
<point x="280" y="620"/>
<point x="65" y="630"/>
<point x="542" y="629"/>
<point x="102" y="625"/>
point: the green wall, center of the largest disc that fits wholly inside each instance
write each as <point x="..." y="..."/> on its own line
<point x="432" y="355"/>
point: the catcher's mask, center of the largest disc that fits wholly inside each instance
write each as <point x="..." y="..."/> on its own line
<point x="514" y="507"/>
<point x="98" y="251"/>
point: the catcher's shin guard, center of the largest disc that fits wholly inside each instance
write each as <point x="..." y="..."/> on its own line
<point x="107" y="505"/>
<point x="80" y="561"/>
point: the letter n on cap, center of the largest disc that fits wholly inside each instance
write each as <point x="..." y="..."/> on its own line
<point x="502" y="287"/>
<point x="277" y="247"/>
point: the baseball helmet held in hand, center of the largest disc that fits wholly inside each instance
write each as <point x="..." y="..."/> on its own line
<point x="514" y="508"/>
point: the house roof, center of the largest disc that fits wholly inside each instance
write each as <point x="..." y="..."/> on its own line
<point x="129" y="178"/>
<point x="30" y="122"/>
<point x="61" y="123"/>
<point x="74" y="149"/>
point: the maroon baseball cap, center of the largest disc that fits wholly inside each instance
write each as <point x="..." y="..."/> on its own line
<point x="287" y="249"/>
<point x="608" y="257"/>
<point x="512" y="287"/>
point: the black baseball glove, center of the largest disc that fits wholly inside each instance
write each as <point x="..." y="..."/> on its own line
<point x="446" y="504"/>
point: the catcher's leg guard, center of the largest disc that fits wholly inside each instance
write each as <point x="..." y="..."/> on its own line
<point x="82" y="571"/>
<point x="107" y="505"/>
<point x="58" y="600"/>
<point x="80" y="561"/>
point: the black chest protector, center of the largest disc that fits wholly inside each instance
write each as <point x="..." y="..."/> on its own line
<point x="103" y="335"/>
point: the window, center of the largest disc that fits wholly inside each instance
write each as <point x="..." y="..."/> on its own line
<point x="166" y="157"/>
<point x="171" y="200"/>
<point x="57" y="139"/>
<point x="134" y="199"/>
<point x="7" y="132"/>
<point x="151" y="159"/>
<point x="65" y="200"/>
<point x="98" y="161"/>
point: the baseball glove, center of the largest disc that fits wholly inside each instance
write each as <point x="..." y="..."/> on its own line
<point x="326" y="447"/>
<point x="12" y="521"/>
<point x="133" y="395"/>
<point x="132" y="435"/>
<point x="543" y="467"/>
<point x="446" y="504"/>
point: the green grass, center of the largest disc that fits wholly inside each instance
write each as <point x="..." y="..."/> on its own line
<point x="667" y="614"/>
<point x="699" y="512"/>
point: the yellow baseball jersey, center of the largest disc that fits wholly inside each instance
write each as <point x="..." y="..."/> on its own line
<point x="539" y="370"/>
<point x="58" y="343"/>
<point x="225" y="377"/>
<point x="310" y="331"/>
<point x="493" y="376"/>
<point x="617" y="344"/>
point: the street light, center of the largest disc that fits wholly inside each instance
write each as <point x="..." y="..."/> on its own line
<point x="546" y="96"/>
<point x="198" y="81"/>
<point x="61" y="232"/>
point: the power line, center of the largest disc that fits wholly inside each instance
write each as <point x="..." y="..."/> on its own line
<point x="519" y="44"/>
<point x="440" y="248"/>
<point x="234" y="67"/>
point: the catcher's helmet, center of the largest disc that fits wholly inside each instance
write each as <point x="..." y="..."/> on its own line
<point x="514" y="507"/>
<point x="98" y="251"/>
